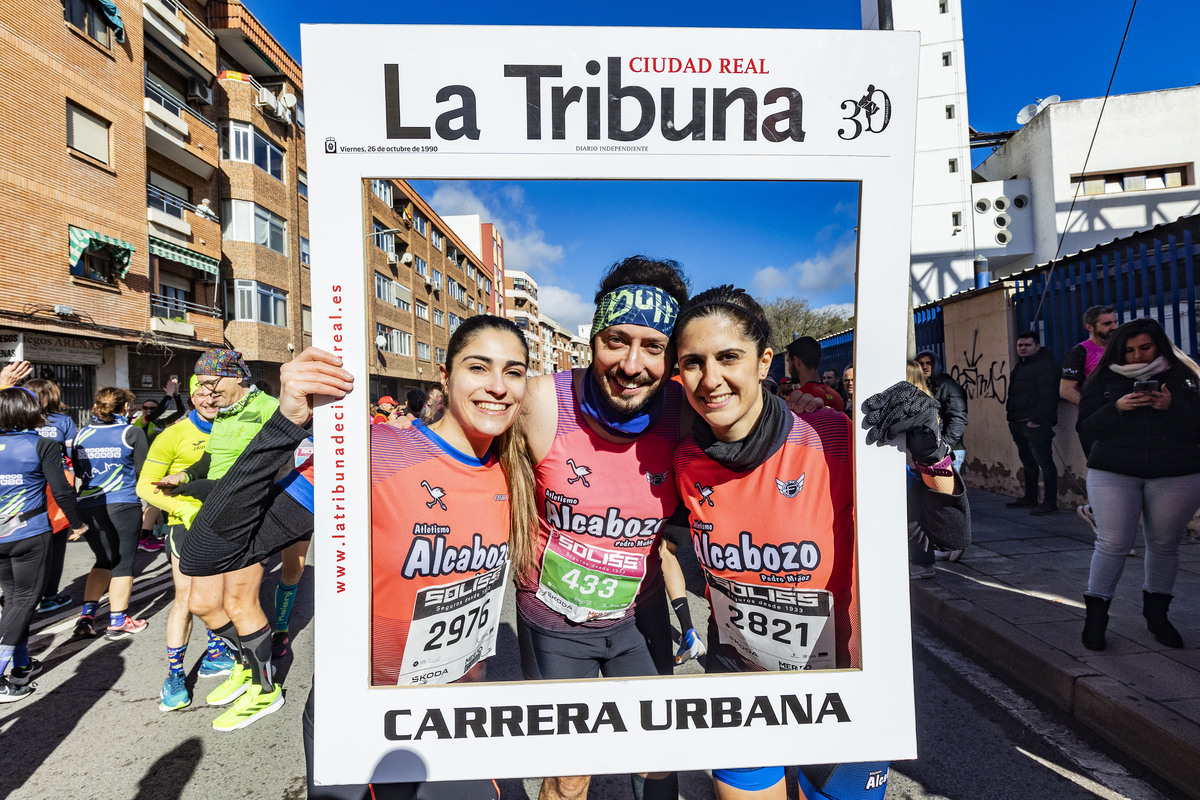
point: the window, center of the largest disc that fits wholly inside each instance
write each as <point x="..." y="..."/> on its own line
<point x="384" y="241"/>
<point x="174" y="294"/>
<point x="241" y="141"/>
<point x="395" y="341"/>
<point x="244" y="221"/>
<point x="258" y="302"/>
<point x="298" y="112"/>
<point x="420" y="266"/>
<point x="471" y="271"/>
<point x="420" y="223"/>
<point x="382" y="190"/>
<point x="96" y="266"/>
<point x="437" y="280"/>
<point x="949" y="112"/>
<point x="438" y="317"/>
<point x="953" y="164"/>
<point x="1137" y="179"/>
<point x="439" y="355"/>
<point x="302" y="183"/>
<point x="452" y="254"/>
<point x="455" y="321"/>
<point x="422" y="310"/>
<point x="423" y="350"/>
<point x="487" y="286"/>
<point x="479" y="307"/>
<point x="87" y="133"/>
<point x="305" y="255"/>
<point x="306" y="319"/>
<point x="384" y="288"/>
<point x="457" y="291"/>
<point x="943" y="6"/>
<point x="436" y="238"/>
<point x="956" y="218"/>
<point x="403" y="296"/>
<point x="87" y="16"/>
<point x="946" y="59"/>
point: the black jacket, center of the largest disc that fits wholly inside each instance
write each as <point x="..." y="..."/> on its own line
<point x="952" y="402"/>
<point x="1143" y="443"/>
<point x="1033" y="389"/>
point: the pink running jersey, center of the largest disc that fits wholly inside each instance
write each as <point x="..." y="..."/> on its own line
<point x="601" y="509"/>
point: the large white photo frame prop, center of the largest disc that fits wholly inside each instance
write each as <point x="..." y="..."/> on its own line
<point x="468" y="103"/>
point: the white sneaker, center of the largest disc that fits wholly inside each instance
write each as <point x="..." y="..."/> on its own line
<point x="947" y="555"/>
<point x="1085" y="514"/>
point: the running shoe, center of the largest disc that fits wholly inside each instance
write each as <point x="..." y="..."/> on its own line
<point x="947" y="555"/>
<point x="85" y="628"/>
<point x="174" y="695"/>
<point x="216" y="667"/>
<point x="281" y="644"/>
<point x="232" y="687"/>
<point x="690" y="647"/>
<point x="1085" y="514"/>
<point x="11" y="692"/>
<point x="148" y="544"/>
<point x="130" y="627"/>
<point x="21" y="676"/>
<point x="920" y="571"/>
<point x="54" y="603"/>
<point x="252" y="706"/>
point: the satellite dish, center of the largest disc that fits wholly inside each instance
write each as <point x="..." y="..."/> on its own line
<point x="1049" y="101"/>
<point x="1027" y="113"/>
<point x="287" y="100"/>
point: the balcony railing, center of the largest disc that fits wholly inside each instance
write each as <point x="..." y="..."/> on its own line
<point x="165" y="99"/>
<point x="174" y="308"/>
<point x="175" y="206"/>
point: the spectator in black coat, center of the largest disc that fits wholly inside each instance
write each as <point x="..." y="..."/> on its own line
<point x="952" y="404"/>
<point x="1032" y="413"/>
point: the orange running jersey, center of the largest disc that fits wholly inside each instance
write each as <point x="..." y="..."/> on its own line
<point x="439" y="557"/>
<point x="601" y="509"/>
<point x="777" y="547"/>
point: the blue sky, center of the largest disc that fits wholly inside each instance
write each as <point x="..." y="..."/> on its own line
<point x="800" y="236"/>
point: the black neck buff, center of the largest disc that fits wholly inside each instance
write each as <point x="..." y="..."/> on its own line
<point x="627" y="426"/>
<point x="767" y="436"/>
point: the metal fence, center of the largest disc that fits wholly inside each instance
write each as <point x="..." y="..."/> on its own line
<point x="837" y="350"/>
<point x="1149" y="274"/>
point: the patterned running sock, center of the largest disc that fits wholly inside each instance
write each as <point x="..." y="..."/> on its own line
<point x="215" y="647"/>
<point x="175" y="659"/>
<point x="89" y="609"/>
<point x="285" y="598"/>
<point x="116" y="619"/>
<point x="682" y="613"/>
<point x="257" y="649"/>
<point x="20" y="657"/>
<point x="228" y="634"/>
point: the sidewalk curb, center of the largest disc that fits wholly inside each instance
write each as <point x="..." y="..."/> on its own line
<point x="1158" y="738"/>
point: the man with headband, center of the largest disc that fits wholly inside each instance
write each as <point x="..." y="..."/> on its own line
<point x="601" y="441"/>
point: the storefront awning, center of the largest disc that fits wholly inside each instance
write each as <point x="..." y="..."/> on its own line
<point x="89" y="241"/>
<point x="173" y="252"/>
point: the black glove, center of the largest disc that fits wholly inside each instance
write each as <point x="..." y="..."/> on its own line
<point x="905" y="409"/>
<point x="198" y="489"/>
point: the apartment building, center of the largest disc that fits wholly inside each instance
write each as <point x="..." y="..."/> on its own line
<point x="426" y="281"/>
<point x="152" y="175"/>
<point x="521" y="306"/>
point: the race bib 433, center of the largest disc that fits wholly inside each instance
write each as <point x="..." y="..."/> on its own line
<point x="584" y="582"/>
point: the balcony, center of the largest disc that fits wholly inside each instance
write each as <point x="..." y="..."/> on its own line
<point x="249" y="43"/>
<point x="168" y="214"/>
<point x="182" y="40"/>
<point x="176" y="317"/>
<point x="177" y="132"/>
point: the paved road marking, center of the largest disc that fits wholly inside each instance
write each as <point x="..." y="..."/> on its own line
<point x="1096" y="766"/>
<point x="150" y="582"/>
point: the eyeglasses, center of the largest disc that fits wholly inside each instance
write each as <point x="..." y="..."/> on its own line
<point x="148" y="408"/>
<point x="209" y="385"/>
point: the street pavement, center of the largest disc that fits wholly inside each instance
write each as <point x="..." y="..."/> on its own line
<point x="1015" y="600"/>
<point x="93" y="728"/>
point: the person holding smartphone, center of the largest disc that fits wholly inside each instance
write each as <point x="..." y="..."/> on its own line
<point x="1141" y="409"/>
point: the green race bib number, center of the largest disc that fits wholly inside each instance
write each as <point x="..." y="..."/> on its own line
<point x="583" y="582"/>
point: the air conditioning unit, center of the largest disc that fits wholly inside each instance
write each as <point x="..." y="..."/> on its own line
<point x="200" y="92"/>
<point x="266" y="99"/>
<point x="282" y="113"/>
<point x="407" y="258"/>
<point x="394" y="259"/>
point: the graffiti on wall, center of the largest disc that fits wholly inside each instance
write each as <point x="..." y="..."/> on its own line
<point x="979" y="381"/>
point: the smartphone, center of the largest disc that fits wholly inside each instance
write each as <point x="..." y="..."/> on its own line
<point x="1145" y="386"/>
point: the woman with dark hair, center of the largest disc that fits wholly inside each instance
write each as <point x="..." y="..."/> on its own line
<point x="472" y="451"/>
<point x="1140" y="408"/>
<point x="108" y="456"/>
<point x="29" y="463"/>
<point x="774" y="469"/>
<point x="60" y="428"/>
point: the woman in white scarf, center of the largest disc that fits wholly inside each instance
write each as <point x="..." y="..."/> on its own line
<point x="1141" y="409"/>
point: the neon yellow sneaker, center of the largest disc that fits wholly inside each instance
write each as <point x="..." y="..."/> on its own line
<point x="232" y="688"/>
<point x="253" y="705"/>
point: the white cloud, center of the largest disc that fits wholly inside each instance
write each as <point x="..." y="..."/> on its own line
<point x="841" y="309"/>
<point x="823" y="273"/>
<point x="565" y="307"/>
<point x="525" y="245"/>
